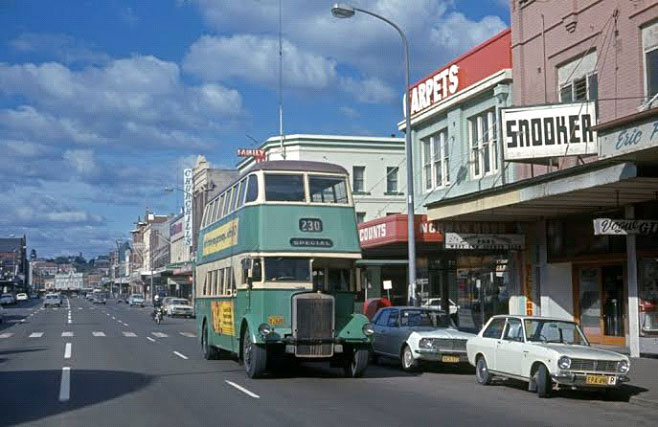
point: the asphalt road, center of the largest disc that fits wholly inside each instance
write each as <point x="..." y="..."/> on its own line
<point x="112" y="365"/>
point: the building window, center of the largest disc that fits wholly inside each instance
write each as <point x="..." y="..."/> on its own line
<point x="391" y="180"/>
<point x="360" y="217"/>
<point x="650" y="47"/>
<point x="483" y="144"/>
<point x="358" y="179"/>
<point x="436" y="165"/>
<point x="577" y="80"/>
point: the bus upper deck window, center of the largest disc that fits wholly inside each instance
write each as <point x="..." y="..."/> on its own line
<point x="328" y="189"/>
<point x="284" y="188"/>
<point x="252" y="189"/>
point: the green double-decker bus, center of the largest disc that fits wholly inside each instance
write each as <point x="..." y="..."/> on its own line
<point x="275" y="274"/>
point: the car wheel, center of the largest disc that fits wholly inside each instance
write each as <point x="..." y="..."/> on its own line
<point x="543" y="381"/>
<point x="409" y="364"/>
<point x="254" y="356"/>
<point x="482" y="374"/>
<point x="356" y="363"/>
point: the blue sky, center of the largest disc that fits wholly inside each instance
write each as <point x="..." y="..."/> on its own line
<point x="103" y="102"/>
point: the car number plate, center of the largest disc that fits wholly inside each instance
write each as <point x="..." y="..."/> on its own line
<point x="600" y="379"/>
<point x="450" y="359"/>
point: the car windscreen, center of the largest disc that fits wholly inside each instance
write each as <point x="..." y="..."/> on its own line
<point x="325" y="189"/>
<point x="284" y="188"/>
<point x="429" y="318"/>
<point x="554" y="331"/>
<point x="179" y="302"/>
<point x="282" y="269"/>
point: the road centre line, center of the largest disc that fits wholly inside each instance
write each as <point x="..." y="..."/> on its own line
<point x="67" y="351"/>
<point x="98" y="334"/>
<point x="67" y="334"/>
<point x="242" y="389"/>
<point x="65" y="385"/>
<point x="6" y="335"/>
<point x="182" y="356"/>
<point x="150" y="339"/>
<point x="36" y="335"/>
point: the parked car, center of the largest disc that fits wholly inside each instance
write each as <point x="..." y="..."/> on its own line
<point x="417" y="334"/>
<point x="436" y="303"/>
<point x="165" y="302"/>
<point x="98" y="299"/>
<point x="21" y="297"/>
<point x="136" y="299"/>
<point x="7" y="299"/>
<point x="179" y="307"/>
<point x="543" y="351"/>
<point x="52" y="300"/>
<point x="122" y="298"/>
<point x="89" y="296"/>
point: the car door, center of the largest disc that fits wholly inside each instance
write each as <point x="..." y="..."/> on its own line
<point x="391" y="333"/>
<point x="380" y="324"/>
<point x="509" y="349"/>
<point x="489" y="340"/>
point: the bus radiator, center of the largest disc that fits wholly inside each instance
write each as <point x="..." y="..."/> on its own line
<point x="313" y="324"/>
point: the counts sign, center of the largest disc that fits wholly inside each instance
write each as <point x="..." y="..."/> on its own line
<point x="549" y="131"/>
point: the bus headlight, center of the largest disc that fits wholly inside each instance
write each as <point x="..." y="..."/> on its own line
<point x="368" y="329"/>
<point x="623" y="367"/>
<point x="265" y="329"/>
<point x="564" y="362"/>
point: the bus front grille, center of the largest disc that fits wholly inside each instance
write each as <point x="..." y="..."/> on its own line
<point x="313" y="323"/>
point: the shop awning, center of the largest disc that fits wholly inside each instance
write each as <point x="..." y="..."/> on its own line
<point x="588" y="188"/>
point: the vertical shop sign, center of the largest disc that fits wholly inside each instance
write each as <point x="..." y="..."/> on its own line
<point x="527" y="280"/>
<point x="187" y="188"/>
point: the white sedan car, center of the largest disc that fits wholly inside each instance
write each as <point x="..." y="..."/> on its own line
<point x="179" y="307"/>
<point x="21" y="297"/>
<point x="543" y="351"/>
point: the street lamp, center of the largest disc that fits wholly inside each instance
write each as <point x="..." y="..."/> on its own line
<point x="347" y="11"/>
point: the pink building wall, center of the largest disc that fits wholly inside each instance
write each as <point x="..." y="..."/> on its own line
<point x="571" y="28"/>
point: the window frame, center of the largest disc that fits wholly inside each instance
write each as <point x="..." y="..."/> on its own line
<point x="645" y="54"/>
<point x="481" y="140"/>
<point x="252" y="178"/>
<point x="507" y="326"/>
<point x="392" y="171"/>
<point x="362" y="190"/>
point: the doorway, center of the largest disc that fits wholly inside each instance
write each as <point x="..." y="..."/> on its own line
<point x="600" y="305"/>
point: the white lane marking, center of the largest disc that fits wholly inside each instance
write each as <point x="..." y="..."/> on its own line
<point x="98" y="334"/>
<point x="188" y="334"/>
<point x="114" y="318"/>
<point x="242" y="389"/>
<point x="129" y="334"/>
<point x="150" y="339"/>
<point x="79" y="308"/>
<point x="124" y="324"/>
<point x="68" y="321"/>
<point x="36" y="335"/>
<point x="159" y="334"/>
<point x="68" y="303"/>
<point x="22" y="320"/>
<point x="182" y="356"/>
<point x="55" y="308"/>
<point x="67" y="351"/>
<point x="67" y="334"/>
<point x="6" y="335"/>
<point x="65" y="385"/>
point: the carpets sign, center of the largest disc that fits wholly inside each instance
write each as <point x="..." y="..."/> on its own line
<point x="549" y="131"/>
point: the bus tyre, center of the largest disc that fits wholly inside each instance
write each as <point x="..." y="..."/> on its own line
<point x="356" y="362"/>
<point x="254" y="356"/>
<point x="209" y="352"/>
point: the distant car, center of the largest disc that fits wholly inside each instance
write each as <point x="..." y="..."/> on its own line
<point x="543" y="351"/>
<point x="89" y="296"/>
<point x="122" y="298"/>
<point x="98" y="299"/>
<point x="136" y="299"/>
<point x="7" y="299"/>
<point x="179" y="307"/>
<point x="418" y="334"/>
<point x="21" y="297"/>
<point x="52" y="300"/>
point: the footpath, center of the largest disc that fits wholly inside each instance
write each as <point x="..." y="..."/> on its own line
<point x="644" y="382"/>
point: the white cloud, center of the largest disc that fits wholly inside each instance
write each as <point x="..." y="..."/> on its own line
<point x="349" y="112"/>
<point x="371" y="90"/>
<point x="459" y="32"/>
<point x="62" y="47"/>
<point x="81" y="160"/>
<point x="255" y="59"/>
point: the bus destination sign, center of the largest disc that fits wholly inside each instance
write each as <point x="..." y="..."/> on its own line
<point x="303" y="242"/>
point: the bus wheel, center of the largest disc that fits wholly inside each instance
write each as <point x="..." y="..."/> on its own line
<point x="356" y="362"/>
<point x="254" y="356"/>
<point x="209" y="352"/>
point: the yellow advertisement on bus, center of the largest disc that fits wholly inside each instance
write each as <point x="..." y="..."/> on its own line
<point x="221" y="238"/>
<point x="222" y="317"/>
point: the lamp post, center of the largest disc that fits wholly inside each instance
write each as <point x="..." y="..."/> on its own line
<point x="347" y="11"/>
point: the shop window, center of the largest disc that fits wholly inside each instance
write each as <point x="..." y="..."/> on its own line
<point x="392" y="180"/>
<point x="483" y="144"/>
<point x="358" y="179"/>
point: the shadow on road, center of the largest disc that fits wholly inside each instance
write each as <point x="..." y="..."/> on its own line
<point x="621" y="394"/>
<point x="30" y="396"/>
